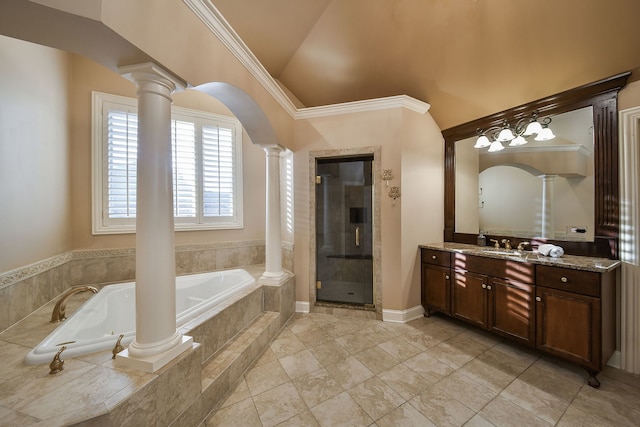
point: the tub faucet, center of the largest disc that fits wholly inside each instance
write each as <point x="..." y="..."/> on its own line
<point x="58" y="314"/>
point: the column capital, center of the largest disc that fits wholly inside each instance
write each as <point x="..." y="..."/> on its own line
<point x="151" y="73"/>
<point x="273" y="149"/>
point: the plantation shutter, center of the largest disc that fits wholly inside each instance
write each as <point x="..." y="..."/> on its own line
<point x="218" y="173"/>
<point x="183" y="145"/>
<point x="122" y="151"/>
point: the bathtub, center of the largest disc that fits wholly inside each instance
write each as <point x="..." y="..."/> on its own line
<point x="96" y="325"/>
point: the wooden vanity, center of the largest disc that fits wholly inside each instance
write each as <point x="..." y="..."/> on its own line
<point x="563" y="306"/>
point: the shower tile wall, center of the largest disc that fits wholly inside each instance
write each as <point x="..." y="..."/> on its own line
<point x="25" y="289"/>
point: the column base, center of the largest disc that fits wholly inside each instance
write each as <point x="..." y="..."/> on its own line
<point x="153" y="363"/>
<point x="273" y="278"/>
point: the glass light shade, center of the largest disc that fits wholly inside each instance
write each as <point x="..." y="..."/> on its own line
<point x="518" y="141"/>
<point x="496" y="146"/>
<point x="505" y="135"/>
<point x="533" y="127"/>
<point x="545" y="134"/>
<point x="482" y="142"/>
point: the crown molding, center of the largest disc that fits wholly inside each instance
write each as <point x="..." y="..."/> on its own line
<point x="220" y="27"/>
<point x="398" y="101"/>
<point x="213" y="19"/>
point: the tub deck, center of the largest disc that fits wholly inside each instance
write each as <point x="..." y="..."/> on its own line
<point x="92" y="388"/>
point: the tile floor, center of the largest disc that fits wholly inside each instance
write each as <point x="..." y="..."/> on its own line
<point x="326" y="370"/>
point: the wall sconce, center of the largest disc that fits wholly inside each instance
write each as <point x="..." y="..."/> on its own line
<point x="495" y="136"/>
<point x="394" y="193"/>
<point x="387" y="175"/>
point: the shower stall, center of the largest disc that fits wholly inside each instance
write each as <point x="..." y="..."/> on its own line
<point x="344" y="230"/>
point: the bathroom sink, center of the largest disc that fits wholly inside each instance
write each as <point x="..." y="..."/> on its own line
<point x="499" y="252"/>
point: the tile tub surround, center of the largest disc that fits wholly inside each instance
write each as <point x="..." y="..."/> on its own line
<point x="598" y="265"/>
<point x="93" y="388"/>
<point x="25" y="289"/>
<point x="326" y="370"/>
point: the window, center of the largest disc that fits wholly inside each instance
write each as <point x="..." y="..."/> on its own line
<point x="207" y="167"/>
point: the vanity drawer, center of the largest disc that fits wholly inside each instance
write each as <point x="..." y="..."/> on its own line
<point x="521" y="272"/>
<point x="578" y="281"/>
<point x="436" y="257"/>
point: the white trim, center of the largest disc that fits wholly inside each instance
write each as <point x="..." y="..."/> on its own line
<point x="402" y="316"/>
<point x="615" y="360"/>
<point x="213" y="19"/>
<point x="303" y="307"/>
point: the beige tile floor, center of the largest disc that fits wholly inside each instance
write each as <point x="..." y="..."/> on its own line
<point x="326" y="370"/>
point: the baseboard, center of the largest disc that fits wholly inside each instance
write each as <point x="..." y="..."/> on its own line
<point x="302" y="307"/>
<point x="402" y="316"/>
<point x="615" y="360"/>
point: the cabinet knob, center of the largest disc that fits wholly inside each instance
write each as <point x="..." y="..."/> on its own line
<point x="538" y="299"/>
<point x="446" y="277"/>
<point x="484" y="286"/>
<point x="489" y="287"/>
<point x="433" y="257"/>
<point x="564" y="279"/>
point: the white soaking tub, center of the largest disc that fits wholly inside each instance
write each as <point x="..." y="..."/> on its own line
<point x="96" y="325"/>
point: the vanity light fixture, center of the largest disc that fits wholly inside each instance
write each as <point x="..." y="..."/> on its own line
<point x="515" y="135"/>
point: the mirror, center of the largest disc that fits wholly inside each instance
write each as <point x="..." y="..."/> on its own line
<point x="598" y="215"/>
<point x="548" y="184"/>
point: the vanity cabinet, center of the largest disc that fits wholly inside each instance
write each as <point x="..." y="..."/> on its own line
<point x="494" y="294"/>
<point x="563" y="311"/>
<point x="436" y="282"/>
<point x="576" y="316"/>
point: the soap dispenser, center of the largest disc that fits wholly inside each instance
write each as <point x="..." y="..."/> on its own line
<point x="482" y="241"/>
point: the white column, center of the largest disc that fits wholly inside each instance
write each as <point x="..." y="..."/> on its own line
<point x="273" y="238"/>
<point x="548" y="206"/>
<point x="157" y="339"/>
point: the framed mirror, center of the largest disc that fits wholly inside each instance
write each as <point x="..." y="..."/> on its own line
<point x="562" y="191"/>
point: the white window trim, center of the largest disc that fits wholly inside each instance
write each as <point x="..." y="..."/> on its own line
<point x="102" y="101"/>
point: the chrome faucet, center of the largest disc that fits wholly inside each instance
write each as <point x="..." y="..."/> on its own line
<point x="507" y="244"/>
<point x="521" y="245"/>
<point x="58" y="314"/>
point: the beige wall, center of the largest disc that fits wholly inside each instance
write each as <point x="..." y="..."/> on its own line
<point x="629" y="97"/>
<point x="412" y="146"/>
<point x="34" y="153"/>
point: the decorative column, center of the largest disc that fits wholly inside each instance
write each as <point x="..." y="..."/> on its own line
<point x="273" y="238"/>
<point x="548" y="206"/>
<point x="157" y="340"/>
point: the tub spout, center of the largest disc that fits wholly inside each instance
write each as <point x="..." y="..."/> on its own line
<point x="58" y="314"/>
<point x="57" y="364"/>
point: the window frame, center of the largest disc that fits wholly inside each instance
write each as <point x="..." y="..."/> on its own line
<point x="101" y="224"/>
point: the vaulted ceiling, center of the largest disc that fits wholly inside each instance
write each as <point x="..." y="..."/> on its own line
<point x="467" y="58"/>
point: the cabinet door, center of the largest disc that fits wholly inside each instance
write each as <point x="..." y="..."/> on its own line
<point x="568" y="326"/>
<point x="436" y="288"/>
<point x="512" y="310"/>
<point x="469" y="297"/>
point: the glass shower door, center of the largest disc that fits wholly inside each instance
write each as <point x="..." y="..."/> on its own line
<point x="344" y="229"/>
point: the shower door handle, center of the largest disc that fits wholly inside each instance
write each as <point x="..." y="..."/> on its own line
<point x="357" y="236"/>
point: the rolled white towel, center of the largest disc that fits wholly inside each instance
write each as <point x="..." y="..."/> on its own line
<point x="551" y="250"/>
<point x="556" y="252"/>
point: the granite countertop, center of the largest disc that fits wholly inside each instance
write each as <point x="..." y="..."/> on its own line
<point x="599" y="265"/>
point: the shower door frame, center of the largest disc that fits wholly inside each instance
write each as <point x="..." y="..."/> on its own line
<point x="376" y="248"/>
